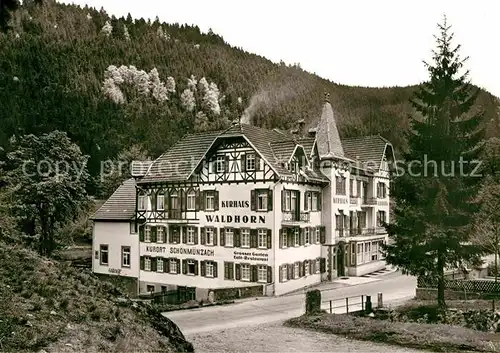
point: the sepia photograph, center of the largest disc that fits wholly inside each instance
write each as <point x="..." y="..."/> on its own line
<point x="245" y="177"/>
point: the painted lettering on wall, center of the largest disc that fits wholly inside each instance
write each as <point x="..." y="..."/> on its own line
<point x="252" y="256"/>
<point x="192" y="251"/>
<point x="161" y="249"/>
<point x="235" y="219"/>
<point x="235" y="204"/>
<point x="115" y="270"/>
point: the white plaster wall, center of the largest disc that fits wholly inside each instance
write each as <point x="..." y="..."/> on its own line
<point x="115" y="235"/>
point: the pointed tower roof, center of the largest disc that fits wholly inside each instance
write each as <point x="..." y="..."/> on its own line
<point x="327" y="134"/>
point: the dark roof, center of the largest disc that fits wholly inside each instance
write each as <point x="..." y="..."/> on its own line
<point x="327" y="135"/>
<point x="367" y="149"/>
<point x="307" y="143"/>
<point x="121" y="205"/>
<point x="283" y="150"/>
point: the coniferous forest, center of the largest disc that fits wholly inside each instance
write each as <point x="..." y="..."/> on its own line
<point x="111" y="83"/>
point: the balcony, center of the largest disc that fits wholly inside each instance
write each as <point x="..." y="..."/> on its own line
<point x="369" y="201"/>
<point x="380" y="230"/>
<point x="174" y="214"/>
<point x="293" y="217"/>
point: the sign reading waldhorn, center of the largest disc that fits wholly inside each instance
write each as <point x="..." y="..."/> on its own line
<point x="251" y="256"/>
<point x="175" y="250"/>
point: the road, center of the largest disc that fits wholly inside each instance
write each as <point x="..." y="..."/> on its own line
<point x="394" y="286"/>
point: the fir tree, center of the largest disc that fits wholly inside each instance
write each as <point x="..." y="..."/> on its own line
<point x="6" y="6"/>
<point x="434" y="188"/>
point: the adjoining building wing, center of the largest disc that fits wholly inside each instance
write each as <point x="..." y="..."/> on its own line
<point x="120" y="205"/>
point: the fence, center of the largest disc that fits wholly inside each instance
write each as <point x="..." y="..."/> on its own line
<point x="348" y="304"/>
<point x="469" y="285"/>
<point x="178" y="296"/>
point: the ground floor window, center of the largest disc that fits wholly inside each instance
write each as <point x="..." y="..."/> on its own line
<point x="150" y="288"/>
<point x="296" y="270"/>
<point x="368" y="251"/>
<point x="125" y="256"/>
<point x="104" y="254"/>
<point x="262" y="274"/>
<point x="284" y="273"/>
<point x="163" y="289"/>
<point x="245" y="272"/>
<point x="306" y="268"/>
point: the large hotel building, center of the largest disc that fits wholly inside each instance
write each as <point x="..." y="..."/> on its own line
<point x="248" y="206"/>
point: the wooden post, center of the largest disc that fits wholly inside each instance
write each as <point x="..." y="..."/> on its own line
<point x="368" y="306"/>
<point x="362" y="302"/>
<point x="331" y="307"/>
<point x="380" y="302"/>
<point x="347" y="305"/>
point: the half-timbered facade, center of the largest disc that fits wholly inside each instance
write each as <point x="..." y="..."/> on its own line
<point x="247" y="205"/>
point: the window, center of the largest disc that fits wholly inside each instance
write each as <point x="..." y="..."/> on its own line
<point x="159" y="265"/>
<point x="245" y="272"/>
<point x="353" y="254"/>
<point x="250" y="161"/>
<point x="308" y="201"/>
<point x="288" y="202"/>
<point x="191" y="267"/>
<point x="163" y="288"/>
<point x="190" y="235"/>
<point x="318" y="235"/>
<point x="284" y="272"/>
<point x="262" y="200"/>
<point x="262" y="274"/>
<point x="191" y="200"/>
<point x="147" y="264"/>
<point x="359" y="259"/>
<point x="340" y="185"/>
<point x="150" y="289"/>
<point x="352" y="186"/>
<point x="229" y="237"/>
<point x="293" y="205"/>
<point x="262" y="238"/>
<point x="220" y="164"/>
<point x="307" y="236"/>
<point x="160" y="234"/>
<point x="284" y="238"/>
<point x="209" y="269"/>
<point x="245" y="238"/>
<point x="306" y="267"/>
<point x="147" y="234"/>
<point x="173" y="266"/>
<point x="296" y="270"/>
<point x="210" y="236"/>
<point x="104" y="254"/>
<point x="132" y="228"/>
<point x="296" y="237"/>
<point x="380" y="218"/>
<point x="381" y="190"/>
<point x="317" y="265"/>
<point x="314" y="201"/>
<point x="209" y="201"/>
<point x="174" y="200"/>
<point x="367" y="252"/>
<point x="160" y="201"/>
<point x="374" y="250"/>
<point x="359" y="188"/>
<point x="141" y="202"/>
<point x="125" y="256"/>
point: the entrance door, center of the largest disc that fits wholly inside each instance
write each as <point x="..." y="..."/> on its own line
<point x="340" y="260"/>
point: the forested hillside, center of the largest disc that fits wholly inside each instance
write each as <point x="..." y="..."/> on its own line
<point x="111" y="83"/>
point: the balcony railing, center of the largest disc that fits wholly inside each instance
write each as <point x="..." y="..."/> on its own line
<point x="340" y="233"/>
<point x="175" y="214"/>
<point x="292" y="216"/>
<point x="380" y="230"/>
<point x="371" y="201"/>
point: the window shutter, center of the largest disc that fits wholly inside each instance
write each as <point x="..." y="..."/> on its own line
<point x="215" y="269"/>
<point x="319" y="201"/>
<point x="153" y="264"/>
<point x="269" y="274"/>
<point x="290" y="239"/>
<point x="269" y="200"/>
<point x="257" y="162"/>
<point x="203" y="236"/>
<point x="253" y="238"/>
<point x="243" y="162"/>
<point x="226" y="270"/>
<point x="237" y="238"/>
<point x="166" y="265"/>
<point x="289" y="271"/>
<point x="178" y="235"/>
<point x="231" y="271"/>
<point x="269" y="239"/>
<point x="196" y="267"/>
<point x="253" y="203"/>
<point x="216" y="200"/>
<point x="215" y="236"/>
<point x="305" y="200"/>
<point x="238" y="272"/>
<point x="141" y="233"/>
<point x="281" y="237"/>
<point x="302" y="236"/>
<point x="153" y="235"/>
<point x="171" y="234"/>
<point x="183" y="200"/>
<point x="226" y="164"/>
<point x="153" y="201"/>
<point x="283" y="204"/>
<point x="200" y="200"/>
<point x="203" y="268"/>
<point x="322" y="265"/>
<point x="178" y="265"/>
<point x="254" y="274"/>
<point x="311" y="267"/>
<point x="142" y="263"/>
<point x="298" y="205"/>
<point x="280" y="273"/>
<point x="322" y="235"/>
<point x="184" y="235"/>
<point x="222" y="237"/>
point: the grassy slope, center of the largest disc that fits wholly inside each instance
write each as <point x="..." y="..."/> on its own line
<point x="49" y="305"/>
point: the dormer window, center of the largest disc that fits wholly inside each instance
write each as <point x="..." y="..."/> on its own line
<point x="250" y="161"/>
<point x="141" y="202"/>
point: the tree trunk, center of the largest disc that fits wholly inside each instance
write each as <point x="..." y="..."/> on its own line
<point x="440" y="271"/>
